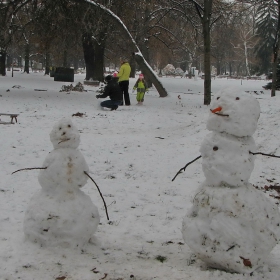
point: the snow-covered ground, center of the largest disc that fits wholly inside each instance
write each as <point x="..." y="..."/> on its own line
<point x="132" y="153"/>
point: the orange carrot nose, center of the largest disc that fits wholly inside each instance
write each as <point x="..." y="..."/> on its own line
<point x="218" y="109"/>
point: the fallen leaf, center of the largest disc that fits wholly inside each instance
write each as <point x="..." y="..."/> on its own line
<point x="246" y="262"/>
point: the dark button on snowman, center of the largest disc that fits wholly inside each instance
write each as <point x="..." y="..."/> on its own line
<point x="231" y="225"/>
<point x="60" y="214"/>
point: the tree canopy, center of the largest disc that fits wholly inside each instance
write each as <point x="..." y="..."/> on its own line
<point x="216" y="37"/>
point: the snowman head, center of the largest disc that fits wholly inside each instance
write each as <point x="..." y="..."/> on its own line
<point x="65" y="135"/>
<point x="234" y="112"/>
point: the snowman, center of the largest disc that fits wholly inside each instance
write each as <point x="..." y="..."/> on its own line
<point x="231" y="225"/>
<point x="60" y="214"/>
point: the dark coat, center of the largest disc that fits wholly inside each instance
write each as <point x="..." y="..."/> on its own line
<point x="113" y="90"/>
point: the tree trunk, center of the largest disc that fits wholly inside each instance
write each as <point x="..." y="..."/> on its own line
<point x="76" y="64"/>
<point x="246" y="59"/>
<point x="3" y="56"/>
<point x="230" y="69"/>
<point x="150" y="74"/>
<point x="275" y="55"/>
<point x="65" y="58"/>
<point x="47" y="61"/>
<point x="274" y="73"/>
<point x="147" y="75"/>
<point x="26" y="58"/>
<point x="145" y="53"/>
<point x="94" y="58"/>
<point x="88" y="56"/>
<point x="207" y="50"/>
<point x="99" y="50"/>
<point x="218" y="67"/>
<point x="132" y="64"/>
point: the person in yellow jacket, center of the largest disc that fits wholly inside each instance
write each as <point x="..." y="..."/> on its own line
<point x="142" y="88"/>
<point x="123" y="76"/>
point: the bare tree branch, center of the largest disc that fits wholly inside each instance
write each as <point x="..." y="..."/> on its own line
<point x="184" y="168"/>
<point x="32" y="168"/>
<point x="268" y="155"/>
<point x="100" y="194"/>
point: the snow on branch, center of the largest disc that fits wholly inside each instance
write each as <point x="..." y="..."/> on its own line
<point x="110" y="13"/>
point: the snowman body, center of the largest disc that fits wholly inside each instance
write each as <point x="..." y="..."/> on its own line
<point x="60" y="214"/>
<point x="231" y="225"/>
<point x="65" y="170"/>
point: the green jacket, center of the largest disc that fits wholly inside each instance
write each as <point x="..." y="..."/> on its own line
<point x="124" y="72"/>
<point x="141" y="86"/>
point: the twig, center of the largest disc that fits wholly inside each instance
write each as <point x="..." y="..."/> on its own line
<point x="184" y="168"/>
<point x="105" y="275"/>
<point x="223" y="115"/>
<point x="29" y="169"/>
<point x="100" y="195"/>
<point x="268" y="155"/>
<point x="113" y="202"/>
<point x="37" y="89"/>
<point x="230" y="248"/>
<point x="219" y="114"/>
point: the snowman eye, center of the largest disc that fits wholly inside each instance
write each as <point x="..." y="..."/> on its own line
<point x="60" y="128"/>
<point x="237" y="98"/>
<point x="218" y="98"/>
<point x="215" y="148"/>
<point x="69" y="125"/>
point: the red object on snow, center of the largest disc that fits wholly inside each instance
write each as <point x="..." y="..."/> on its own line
<point x="218" y="109"/>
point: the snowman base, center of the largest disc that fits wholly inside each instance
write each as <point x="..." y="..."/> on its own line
<point x="66" y="219"/>
<point x="233" y="229"/>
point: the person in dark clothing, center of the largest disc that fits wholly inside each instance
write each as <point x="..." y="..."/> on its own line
<point x="113" y="91"/>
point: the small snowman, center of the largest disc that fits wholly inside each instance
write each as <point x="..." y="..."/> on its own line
<point x="60" y="214"/>
<point x="231" y="225"/>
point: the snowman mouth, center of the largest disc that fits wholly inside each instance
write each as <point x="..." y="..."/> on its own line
<point x="220" y="114"/>
<point x="63" y="140"/>
<point x="217" y="111"/>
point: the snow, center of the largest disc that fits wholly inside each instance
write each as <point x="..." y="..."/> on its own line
<point x="224" y="227"/>
<point x="65" y="135"/>
<point x="132" y="153"/>
<point x="231" y="225"/>
<point x="241" y="110"/>
<point x="67" y="219"/>
<point x="60" y="214"/>
<point x="226" y="158"/>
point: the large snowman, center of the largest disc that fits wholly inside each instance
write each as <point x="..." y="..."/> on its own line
<point x="231" y="225"/>
<point x="60" y="214"/>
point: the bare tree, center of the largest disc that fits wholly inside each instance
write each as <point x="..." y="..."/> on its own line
<point x="276" y="51"/>
<point x="247" y="42"/>
<point x="8" y="9"/>
<point x="23" y="20"/>
<point x="161" y="90"/>
<point x="274" y="33"/>
<point x="207" y="14"/>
